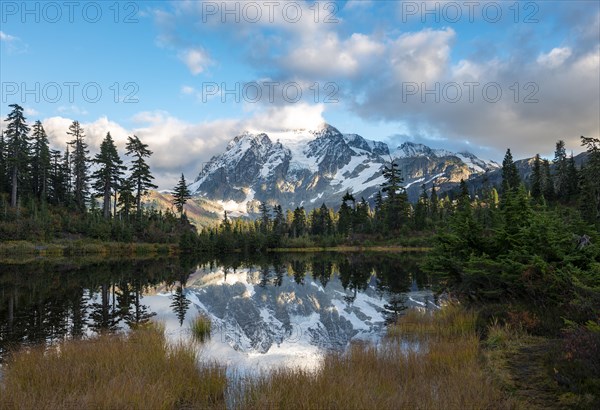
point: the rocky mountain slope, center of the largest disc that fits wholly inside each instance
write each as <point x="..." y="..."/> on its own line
<point x="311" y="167"/>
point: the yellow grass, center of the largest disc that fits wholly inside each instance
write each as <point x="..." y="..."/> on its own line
<point x="113" y="372"/>
<point x="200" y="327"/>
<point x="444" y="372"/>
<point x="428" y="361"/>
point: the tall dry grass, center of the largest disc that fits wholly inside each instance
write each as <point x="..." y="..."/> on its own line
<point x="428" y="361"/>
<point x="200" y="328"/>
<point x="141" y="371"/>
<point x="444" y="372"/>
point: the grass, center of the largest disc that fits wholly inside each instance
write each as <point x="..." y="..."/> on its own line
<point x="112" y="371"/>
<point x="353" y="248"/>
<point x="445" y="372"/>
<point x="426" y="361"/>
<point x="83" y="247"/>
<point x="200" y="327"/>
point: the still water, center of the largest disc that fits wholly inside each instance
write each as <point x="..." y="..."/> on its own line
<point x="266" y="311"/>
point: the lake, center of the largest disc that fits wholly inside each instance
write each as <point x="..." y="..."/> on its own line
<point x="266" y="311"/>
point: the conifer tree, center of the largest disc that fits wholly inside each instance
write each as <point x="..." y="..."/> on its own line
<point x="141" y="176"/>
<point x="536" y="179"/>
<point x="561" y="170"/>
<point x="572" y="180"/>
<point x="109" y="173"/>
<point x="79" y="162"/>
<point x="346" y="214"/>
<point x="396" y="203"/>
<point x="421" y="209"/>
<point x="589" y="201"/>
<point x="17" y="141"/>
<point x="58" y="179"/>
<point x="362" y="216"/>
<point x="40" y="162"/>
<point x="299" y="222"/>
<point x="278" y="221"/>
<point x="510" y="174"/>
<point x="3" y="167"/>
<point x="265" y="217"/>
<point x="433" y="204"/>
<point x="548" y="185"/>
<point x="181" y="194"/>
<point x="126" y="200"/>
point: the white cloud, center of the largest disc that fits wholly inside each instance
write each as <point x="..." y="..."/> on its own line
<point x="57" y="127"/>
<point x="187" y="90"/>
<point x="332" y="56"/>
<point x="30" y="111"/>
<point x="181" y="146"/>
<point x="555" y="58"/>
<point x="7" y="37"/>
<point x="358" y="4"/>
<point x="71" y="109"/>
<point x="196" y="59"/>
<point x="421" y="56"/>
<point x="289" y="117"/>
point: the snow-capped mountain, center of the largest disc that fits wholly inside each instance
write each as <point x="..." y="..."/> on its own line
<point x="311" y="167"/>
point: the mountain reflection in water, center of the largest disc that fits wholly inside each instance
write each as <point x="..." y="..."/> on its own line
<point x="275" y="310"/>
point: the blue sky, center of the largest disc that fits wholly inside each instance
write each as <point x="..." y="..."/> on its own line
<point x="161" y="67"/>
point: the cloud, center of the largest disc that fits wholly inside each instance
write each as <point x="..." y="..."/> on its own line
<point x="71" y="109"/>
<point x="30" y="111"/>
<point x="547" y="73"/>
<point x="196" y="59"/>
<point x="7" y="37"/>
<point x="555" y="58"/>
<point x="12" y="43"/>
<point x="333" y="56"/>
<point x="187" y="90"/>
<point x="421" y="56"/>
<point x="289" y="117"/>
<point x="181" y="146"/>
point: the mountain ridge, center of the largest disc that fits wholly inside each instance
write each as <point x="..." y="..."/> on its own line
<point x="310" y="167"/>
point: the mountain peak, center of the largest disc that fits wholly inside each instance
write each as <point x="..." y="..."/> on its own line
<point x="302" y="167"/>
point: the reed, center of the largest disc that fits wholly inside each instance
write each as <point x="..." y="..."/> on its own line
<point x="112" y="371"/>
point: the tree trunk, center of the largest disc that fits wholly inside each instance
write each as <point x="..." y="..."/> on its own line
<point x="106" y="202"/>
<point x="13" y="198"/>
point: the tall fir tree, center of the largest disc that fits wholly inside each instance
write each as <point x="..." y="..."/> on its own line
<point x="299" y="222"/>
<point x="18" y="155"/>
<point x="396" y="203"/>
<point x="108" y="175"/>
<point x="434" y="204"/>
<point x="362" y="216"/>
<point x="537" y="179"/>
<point x="3" y="166"/>
<point x="572" y="180"/>
<point x="421" y="210"/>
<point x="40" y="162"/>
<point x="548" y="181"/>
<point x="561" y="171"/>
<point x="265" y="217"/>
<point x="589" y="200"/>
<point x="140" y="171"/>
<point x="79" y="162"/>
<point x="58" y="179"/>
<point x="181" y="194"/>
<point x="346" y="214"/>
<point x="126" y="198"/>
<point x="510" y="174"/>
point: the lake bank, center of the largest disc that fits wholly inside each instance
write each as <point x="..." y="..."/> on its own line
<point x="65" y="248"/>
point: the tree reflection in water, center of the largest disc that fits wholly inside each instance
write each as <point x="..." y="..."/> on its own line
<point x="44" y="301"/>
